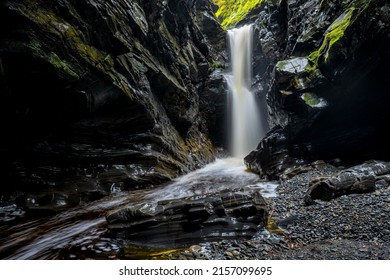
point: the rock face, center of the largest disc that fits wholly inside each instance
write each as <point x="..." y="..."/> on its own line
<point x="358" y="179"/>
<point x="101" y="95"/>
<point x="275" y="156"/>
<point x="223" y="215"/>
<point x="322" y="66"/>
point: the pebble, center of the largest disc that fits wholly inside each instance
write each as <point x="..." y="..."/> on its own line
<point x="195" y="248"/>
<point x="348" y="227"/>
<point x="229" y="254"/>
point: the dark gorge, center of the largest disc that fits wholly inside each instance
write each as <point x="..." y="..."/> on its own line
<point x="105" y="105"/>
<point x="105" y="89"/>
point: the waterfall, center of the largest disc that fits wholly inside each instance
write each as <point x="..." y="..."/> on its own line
<point x="245" y="125"/>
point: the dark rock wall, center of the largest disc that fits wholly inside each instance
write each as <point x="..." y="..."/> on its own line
<point x="322" y="66"/>
<point x="104" y="94"/>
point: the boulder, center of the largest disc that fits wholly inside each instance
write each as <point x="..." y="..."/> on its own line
<point x="185" y="221"/>
<point x="357" y="179"/>
<point x="272" y="156"/>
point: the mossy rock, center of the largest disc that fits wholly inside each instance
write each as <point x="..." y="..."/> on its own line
<point x="337" y="30"/>
<point x="293" y="66"/>
<point x="291" y="74"/>
<point x="231" y="12"/>
<point x="312" y="100"/>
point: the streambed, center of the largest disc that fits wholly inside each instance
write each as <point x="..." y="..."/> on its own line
<point x="81" y="232"/>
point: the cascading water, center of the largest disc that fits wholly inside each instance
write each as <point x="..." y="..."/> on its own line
<point x="246" y="125"/>
<point x="82" y="232"/>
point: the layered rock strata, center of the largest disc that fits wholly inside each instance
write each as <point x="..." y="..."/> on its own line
<point x="177" y="222"/>
<point x="104" y="95"/>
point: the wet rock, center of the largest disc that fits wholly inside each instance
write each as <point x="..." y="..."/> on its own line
<point x="357" y="179"/>
<point x="195" y="248"/>
<point x="213" y="100"/>
<point x="318" y="64"/>
<point x="272" y="156"/>
<point x="105" y="93"/>
<point x="226" y="214"/>
<point x="330" y="229"/>
<point x="10" y="213"/>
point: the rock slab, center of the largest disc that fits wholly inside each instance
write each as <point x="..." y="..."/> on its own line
<point x="358" y="179"/>
<point x="223" y="215"/>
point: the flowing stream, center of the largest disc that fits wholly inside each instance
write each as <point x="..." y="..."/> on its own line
<point x="81" y="232"/>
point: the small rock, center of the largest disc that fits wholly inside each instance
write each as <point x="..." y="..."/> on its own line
<point x="195" y="248"/>
<point x="229" y="254"/>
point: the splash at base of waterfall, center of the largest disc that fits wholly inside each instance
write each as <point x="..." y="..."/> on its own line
<point x="226" y="173"/>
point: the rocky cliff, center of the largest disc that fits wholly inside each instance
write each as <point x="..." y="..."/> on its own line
<point x="323" y="67"/>
<point x="104" y="95"/>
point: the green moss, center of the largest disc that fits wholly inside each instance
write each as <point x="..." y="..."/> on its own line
<point x="293" y="65"/>
<point x="310" y="99"/>
<point x="333" y="34"/>
<point x="337" y="29"/>
<point x="281" y="64"/>
<point x="233" y="11"/>
<point x="52" y="58"/>
<point x="35" y="48"/>
<point x="76" y="43"/>
<point x="75" y="39"/>
<point x="62" y="65"/>
<point x="312" y="66"/>
<point x="215" y="64"/>
<point x="66" y="32"/>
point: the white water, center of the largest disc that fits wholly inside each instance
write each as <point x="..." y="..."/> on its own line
<point x="246" y="125"/>
<point x="44" y="239"/>
<point x="228" y="173"/>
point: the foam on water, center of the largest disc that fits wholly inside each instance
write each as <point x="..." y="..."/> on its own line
<point x="227" y="173"/>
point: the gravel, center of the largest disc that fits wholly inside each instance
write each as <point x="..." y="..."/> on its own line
<point x="353" y="227"/>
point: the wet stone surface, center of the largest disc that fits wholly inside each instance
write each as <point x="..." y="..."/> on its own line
<point x="9" y="213"/>
<point x="229" y="214"/>
<point x="354" y="226"/>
